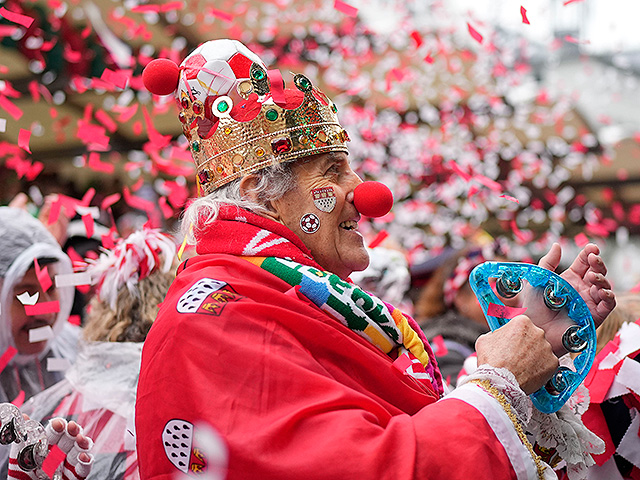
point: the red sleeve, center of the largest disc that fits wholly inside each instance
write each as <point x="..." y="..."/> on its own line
<point x="296" y="395"/>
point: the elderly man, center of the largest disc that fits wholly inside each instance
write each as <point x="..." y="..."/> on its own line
<point x="263" y="337"/>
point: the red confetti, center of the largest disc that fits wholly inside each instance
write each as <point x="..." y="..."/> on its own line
<point x="87" y="219"/>
<point x="224" y="16"/>
<point x="23" y="139"/>
<point x="138" y="202"/>
<point x="417" y="38"/>
<point x="54" y="458"/>
<point x="106" y="120"/>
<point x="7" y="30"/>
<point x="440" y="348"/>
<point x="19" y="400"/>
<point x="474" y="33"/>
<point x="167" y="211"/>
<point x="74" y="320"/>
<point x="18" y="18"/>
<point x="42" y="308"/>
<point x="510" y="198"/>
<point x="95" y="164"/>
<point x="504" y="311"/>
<point x="116" y="78"/>
<point x="379" y="238"/>
<point x="345" y="8"/>
<point x="570" y="1"/>
<point x="456" y="168"/>
<point x="10" y="108"/>
<point x="6" y="357"/>
<point x="523" y="12"/>
<point x="167" y="7"/>
<point x="570" y="39"/>
<point x="145" y="8"/>
<point x="43" y="276"/>
<point x="581" y="240"/>
<point x="110" y="200"/>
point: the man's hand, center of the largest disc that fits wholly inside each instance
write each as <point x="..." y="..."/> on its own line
<point x="520" y="347"/>
<point x="587" y="275"/>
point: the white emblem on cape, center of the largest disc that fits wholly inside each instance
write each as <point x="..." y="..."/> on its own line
<point x="177" y="438"/>
<point x="191" y="300"/>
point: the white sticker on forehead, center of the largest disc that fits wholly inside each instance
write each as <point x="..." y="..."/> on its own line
<point x="324" y="198"/>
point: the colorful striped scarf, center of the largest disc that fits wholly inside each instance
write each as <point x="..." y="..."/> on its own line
<point x="376" y="321"/>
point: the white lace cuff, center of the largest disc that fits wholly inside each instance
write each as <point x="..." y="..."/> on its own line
<point x="505" y="382"/>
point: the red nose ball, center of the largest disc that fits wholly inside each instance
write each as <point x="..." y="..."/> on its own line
<point x="161" y="76"/>
<point x="373" y="199"/>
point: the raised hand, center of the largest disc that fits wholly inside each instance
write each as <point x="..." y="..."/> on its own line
<point x="587" y="274"/>
<point x="34" y="443"/>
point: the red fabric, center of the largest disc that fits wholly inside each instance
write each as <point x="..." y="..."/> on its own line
<point x="294" y="393"/>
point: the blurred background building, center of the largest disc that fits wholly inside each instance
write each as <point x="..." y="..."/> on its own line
<point x="517" y="120"/>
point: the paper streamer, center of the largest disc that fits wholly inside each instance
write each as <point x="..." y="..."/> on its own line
<point x="19" y="400"/>
<point x="57" y="364"/>
<point x="474" y="33"/>
<point x="345" y="8"/>
<point x="43" y="308"/>
<point x="18" y="18"/>
<point x="27" y="299"/>
<point x="73" y="279"/>
<point x="6" y="357"/>
<point x="43" y="276"/>
<point x="54" y="458"/>
<point x="40" y="334"/>
<point x="24" y="136"/>
<point x="503" y="311"/>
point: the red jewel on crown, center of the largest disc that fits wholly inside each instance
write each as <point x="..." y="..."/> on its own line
<point x="282" y="145"/>
<point x="203" y="176"/>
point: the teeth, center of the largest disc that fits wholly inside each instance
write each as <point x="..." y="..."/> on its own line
<point x="349" y="225"/>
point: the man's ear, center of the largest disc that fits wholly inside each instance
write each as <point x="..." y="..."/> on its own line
<point x="248" y="185"/>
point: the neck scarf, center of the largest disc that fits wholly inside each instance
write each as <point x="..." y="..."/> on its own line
<point x="276" y="249"/>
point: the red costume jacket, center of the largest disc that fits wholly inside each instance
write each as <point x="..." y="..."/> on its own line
<point x="293" y="393"/>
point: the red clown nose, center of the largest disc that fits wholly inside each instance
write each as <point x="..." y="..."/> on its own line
<point x="373" y="199"/>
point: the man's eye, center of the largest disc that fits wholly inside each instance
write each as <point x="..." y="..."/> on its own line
<point x="332" y="170"/>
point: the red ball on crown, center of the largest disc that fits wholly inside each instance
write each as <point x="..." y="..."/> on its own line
<point x="161" y="76"/>
<point x="373" y="199"/>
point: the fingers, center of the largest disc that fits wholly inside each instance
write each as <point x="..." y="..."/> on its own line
<point x="70" y="439"/>
<point x="19" y="201"/>
<point x="552" y="259"/>
<point x="589" y="257"/>
<point x="67" y="439"/>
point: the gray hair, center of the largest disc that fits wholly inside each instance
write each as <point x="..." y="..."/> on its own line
<point x="273" y="183"/>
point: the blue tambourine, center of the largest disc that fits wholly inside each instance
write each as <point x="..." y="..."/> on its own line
<point x="558" y="294"/>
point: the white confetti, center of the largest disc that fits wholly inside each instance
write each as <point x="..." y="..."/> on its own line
<point x="73" y="279"/>
<point x="58" y="364"/>
<point x="27" y="299"/>
<point x="40" y="334"/>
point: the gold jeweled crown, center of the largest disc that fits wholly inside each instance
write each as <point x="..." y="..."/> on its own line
<point x="239" y="118"/>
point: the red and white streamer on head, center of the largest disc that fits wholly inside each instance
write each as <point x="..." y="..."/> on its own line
<point x="373" y="199"/>
<point x="132" y="259"/>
